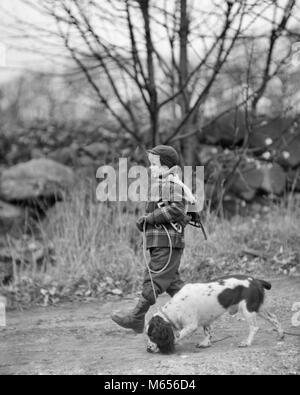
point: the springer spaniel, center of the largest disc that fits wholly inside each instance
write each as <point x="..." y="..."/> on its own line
<point x="200" y="304"/>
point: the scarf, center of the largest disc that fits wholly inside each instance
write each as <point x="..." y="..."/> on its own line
<point x="171" y="175"/>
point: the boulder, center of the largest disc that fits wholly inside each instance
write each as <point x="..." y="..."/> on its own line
<point x="34" y="179"/>
<point x="241" y="189"/>
<point x="258" y="177"/>
<point x="247" y="181"/>
<point x="223" y="134"/>
<point x="86" y="161"/>
<point x="10" y="216"/>
<point x="227" y="132"/>
<point x="274" y="179"/>
<point x="207" y="153"/>
<point x="66" y="156"/>
<point x="267" y="133"/>
<point x="37" y="153"/>
<point x="280" y="136"/>
<point x="233" y="206"/>
<point x="290" y="150"/>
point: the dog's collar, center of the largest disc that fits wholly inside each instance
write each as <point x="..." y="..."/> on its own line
<point x="167" y="318"/>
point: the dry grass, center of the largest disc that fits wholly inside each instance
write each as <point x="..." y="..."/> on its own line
<point x="98" y="250"/>
<point x="273" y="239"/>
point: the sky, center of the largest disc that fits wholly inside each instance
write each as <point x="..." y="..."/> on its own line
<point x="13" y="58"/>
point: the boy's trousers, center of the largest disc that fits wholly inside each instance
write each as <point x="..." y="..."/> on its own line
<point x="169" y="280"/>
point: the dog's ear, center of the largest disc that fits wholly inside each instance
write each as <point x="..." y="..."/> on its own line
<point x="150" y="329"/>
<point x="161" y="333"/>
<point x="167" y="343"/>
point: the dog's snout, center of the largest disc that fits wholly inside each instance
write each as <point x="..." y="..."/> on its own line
<point x="152" y="348"/>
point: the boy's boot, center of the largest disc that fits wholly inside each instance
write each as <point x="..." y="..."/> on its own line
<point x="136" y="318"/>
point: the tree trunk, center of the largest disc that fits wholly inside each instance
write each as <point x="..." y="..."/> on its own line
<point x="154" y="114"/>
<point x="188" y="145"/>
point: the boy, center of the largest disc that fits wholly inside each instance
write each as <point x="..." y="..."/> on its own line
<point x="167" y="206"/>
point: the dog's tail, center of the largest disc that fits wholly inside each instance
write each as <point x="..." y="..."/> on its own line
<point x="266" y="285"/>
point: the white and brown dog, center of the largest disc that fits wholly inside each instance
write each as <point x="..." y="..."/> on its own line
<point x="198" y="305"/>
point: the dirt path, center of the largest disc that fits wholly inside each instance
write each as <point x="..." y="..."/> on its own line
<point x="81" y="339"/>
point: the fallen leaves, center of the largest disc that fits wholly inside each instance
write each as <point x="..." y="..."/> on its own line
<point x="287" y="262"/>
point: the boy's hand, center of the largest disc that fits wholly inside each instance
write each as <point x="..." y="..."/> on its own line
<point x="140" y="223"/>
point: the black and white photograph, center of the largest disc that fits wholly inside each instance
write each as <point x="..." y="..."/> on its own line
<point x="150" y="190"/>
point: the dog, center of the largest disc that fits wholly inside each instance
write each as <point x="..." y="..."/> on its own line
<point x="198" y="305"/>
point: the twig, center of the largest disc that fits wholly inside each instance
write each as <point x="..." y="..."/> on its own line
<point x="221" y="340"/>
<point x="292" y="334"/>
<point x="255" y="253"/>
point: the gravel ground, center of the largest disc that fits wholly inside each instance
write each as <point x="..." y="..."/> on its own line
<point x="81" y="339"/>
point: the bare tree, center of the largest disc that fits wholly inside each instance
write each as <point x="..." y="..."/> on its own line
<point x="163" y="55"/>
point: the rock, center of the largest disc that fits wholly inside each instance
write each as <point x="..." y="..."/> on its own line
<point x="233" y="206"/>
<point x="255" y="177"/>
<point x="65" y="156"/>
<point x="274" y="179"/>
<point x="241" y="189"/>
<point x="96" y="149"/>
<point x="207" y="153"/>
<point x="260" y="205"/>
<point x="86" y="161"/>
<point x="12" y="154"/>
<point x="290" y="150"/>
<point x="10" y="216"/>
<point x="267" y="133"/>
<point x="34" y="179"/>
<point x="247" y="181"/>
<point x="37" y="153"/>
<point x="281" y="137"/>
<point x="228" y="131"/>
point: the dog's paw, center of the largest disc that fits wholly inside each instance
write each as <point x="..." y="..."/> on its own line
<point x="203" y="345"/>
<point x="177" y="338"/>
